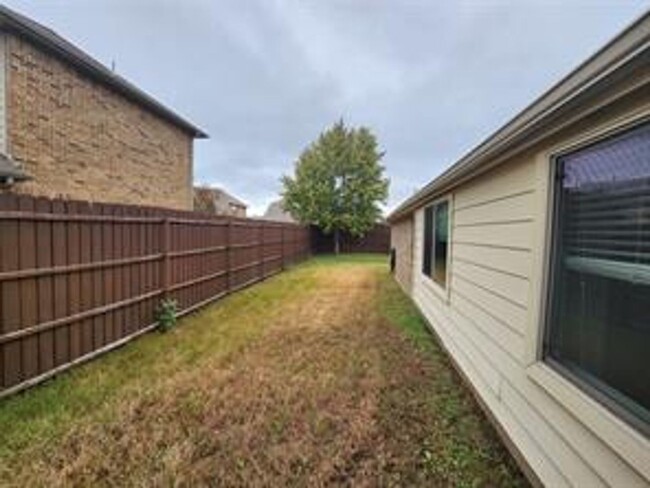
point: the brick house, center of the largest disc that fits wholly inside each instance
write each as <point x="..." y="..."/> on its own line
<point x="77" y="130"/>
<point x="276" y="212"/>
<point x="218" y="201"/>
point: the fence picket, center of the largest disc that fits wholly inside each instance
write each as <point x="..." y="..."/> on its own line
<point x="76" y="279"/>
<point x="87" y="340"/>
<point x="61" y="303"/>
<point x="12" y="371"/>
<point x="45" y="286"/>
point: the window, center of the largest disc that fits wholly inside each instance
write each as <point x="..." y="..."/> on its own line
<point x="598" y="330"/>
<point x="436" y="237"/>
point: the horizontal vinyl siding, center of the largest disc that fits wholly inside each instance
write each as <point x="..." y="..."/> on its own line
<point x="401" y="240"/>
<point x="483" y="319"/>
<point x="506" y="286"/>
<point x="507" y="312"/>
<point x="512" y="208"/>
<point x="512" y="236"/>
<point x="509" y="261"/>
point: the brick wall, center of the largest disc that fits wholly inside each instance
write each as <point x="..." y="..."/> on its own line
<point x="79" y="139"/>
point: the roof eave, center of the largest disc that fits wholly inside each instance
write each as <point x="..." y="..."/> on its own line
<point x="11" y="170"/>
<point x="631" y="44"/>
<point x="13" y="174"/>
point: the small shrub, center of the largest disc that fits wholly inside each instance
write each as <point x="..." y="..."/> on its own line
<point x="166" y="314"/>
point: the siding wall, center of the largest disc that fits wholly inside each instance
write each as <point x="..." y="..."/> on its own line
<point x="488" y="321"/>
<point x="401" y="239"/>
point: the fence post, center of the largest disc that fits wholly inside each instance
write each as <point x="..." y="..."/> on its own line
<point x="260" y="254"/>
<point x="282" y="246"/>
<point x="228" y="258"/>
<point x="166" y="261"/>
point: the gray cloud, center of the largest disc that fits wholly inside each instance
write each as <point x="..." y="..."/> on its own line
<point x="264" y="77"/>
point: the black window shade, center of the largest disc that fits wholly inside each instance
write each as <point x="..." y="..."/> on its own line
<point x="428" y="241"/>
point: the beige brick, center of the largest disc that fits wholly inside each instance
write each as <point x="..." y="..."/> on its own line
<point x="79" y="139"/>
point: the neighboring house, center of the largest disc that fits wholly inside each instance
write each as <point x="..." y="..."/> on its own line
<point x="276" y="212"/>
<point x="217" y="201"/>
<point x="78" y="130"/>
<point x="530" y="260"/>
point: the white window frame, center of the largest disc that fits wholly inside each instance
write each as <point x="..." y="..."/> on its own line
<point x="621" y="436"/>
<point x="443" y="291"/>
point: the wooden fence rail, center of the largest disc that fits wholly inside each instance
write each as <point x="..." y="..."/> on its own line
<point x="77" y="279"/>
<point x="377" y="240"/>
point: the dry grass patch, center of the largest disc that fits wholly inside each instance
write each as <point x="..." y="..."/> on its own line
<point x="333" y="382"/>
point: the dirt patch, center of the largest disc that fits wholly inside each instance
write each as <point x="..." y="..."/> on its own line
<point x="332" y="393"/>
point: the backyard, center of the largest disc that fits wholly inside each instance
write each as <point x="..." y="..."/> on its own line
<point x="323" y="375"/>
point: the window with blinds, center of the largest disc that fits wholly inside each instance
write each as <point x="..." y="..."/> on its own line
<point x="599" y="319"/>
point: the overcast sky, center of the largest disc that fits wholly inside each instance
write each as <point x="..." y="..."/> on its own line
<point x="431" y="78"/>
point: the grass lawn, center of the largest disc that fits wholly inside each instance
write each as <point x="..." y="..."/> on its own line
<point x="323" y="375"/>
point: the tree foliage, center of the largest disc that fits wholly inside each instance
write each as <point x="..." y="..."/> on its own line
<point x="338" y="183"/>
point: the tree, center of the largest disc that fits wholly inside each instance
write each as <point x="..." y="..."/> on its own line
<point x="338" y="183"/>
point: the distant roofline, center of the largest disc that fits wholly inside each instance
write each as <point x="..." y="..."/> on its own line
<point x="233" y="199"/>
<point x="215" y="189"/>
<point x="21" y="25"/>
<point x="622" y="51"/>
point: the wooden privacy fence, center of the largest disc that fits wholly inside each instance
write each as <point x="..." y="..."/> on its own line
<point x="375" y="241"/>
<point x="79" y="279"/>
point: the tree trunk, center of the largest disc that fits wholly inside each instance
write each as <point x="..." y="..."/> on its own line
<point x="336" y="242"/>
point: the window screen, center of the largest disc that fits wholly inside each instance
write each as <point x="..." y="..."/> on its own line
<point x="435" y="242"/>
<point x="599" y="320"/>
